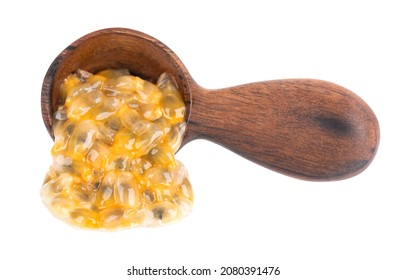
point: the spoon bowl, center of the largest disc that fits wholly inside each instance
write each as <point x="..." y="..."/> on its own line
<point x="307" y="129"/>
<point x="141" y="54"/>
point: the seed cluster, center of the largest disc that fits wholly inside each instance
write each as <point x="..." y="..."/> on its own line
<point x="113" y="156"/>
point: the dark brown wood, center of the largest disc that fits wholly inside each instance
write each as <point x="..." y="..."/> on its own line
<point x="142" y="54"/>
<point x="307" y="129"/>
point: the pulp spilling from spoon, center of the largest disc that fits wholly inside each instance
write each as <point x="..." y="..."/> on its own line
<point x="113" y="157"/>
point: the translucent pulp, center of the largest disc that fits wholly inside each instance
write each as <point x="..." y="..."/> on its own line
<point x="113" y="157"/>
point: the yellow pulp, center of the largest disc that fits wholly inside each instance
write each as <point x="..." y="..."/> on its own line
<point x="113" y="157"/>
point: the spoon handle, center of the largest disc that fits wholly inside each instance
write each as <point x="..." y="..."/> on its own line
<point x="307" y="129"/>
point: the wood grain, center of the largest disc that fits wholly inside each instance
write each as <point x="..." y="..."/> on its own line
<point x="307" y="129"/>
<point x="142" y="54"/>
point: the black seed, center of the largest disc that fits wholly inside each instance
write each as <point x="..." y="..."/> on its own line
<point x="83" y="75"/>
<point x="120" y="163"/>
<point x="84" y="197"/>
<point x="69" y="129"/>
<point x="82" y="137"/>
<point x="149" y="195"/>
<point x="94" y="208"/>
<point x="114" y="124"/>
<point x="125" y="185"/>
<point x="158" y="213"/>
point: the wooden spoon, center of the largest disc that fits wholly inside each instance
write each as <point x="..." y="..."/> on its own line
<point x="307" y="129"/>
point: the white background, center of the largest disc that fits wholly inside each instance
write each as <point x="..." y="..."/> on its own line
<point x="244" y="215"/>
